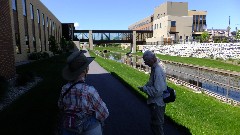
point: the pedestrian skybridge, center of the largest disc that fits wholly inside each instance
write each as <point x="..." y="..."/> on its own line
<point x="135" y="37"/>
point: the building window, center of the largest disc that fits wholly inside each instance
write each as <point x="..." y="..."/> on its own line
<point x="53" y="25"/>
<point x="160" y="25"/>
<point x="34" y="44"/>
<point x="14" y="6"/>
<point x="18" y="47"/>
<point x="40" y="44"/>
<point x="197" y="16"/>
<point x="38" y="15"/>
<point x="24" y="7"/>
<point x="47" y="21"/>
<point x="173" y="23"/>
<point x="31" y="11"/>
<point x="204" y="17"/>
<point x="43" y="20"/>
<point x="27" y="43"/>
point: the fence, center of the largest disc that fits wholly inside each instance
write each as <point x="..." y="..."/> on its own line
<point x="221" y="84"/>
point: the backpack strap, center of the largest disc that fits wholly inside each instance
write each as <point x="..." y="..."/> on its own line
<point x="65" y="93"/>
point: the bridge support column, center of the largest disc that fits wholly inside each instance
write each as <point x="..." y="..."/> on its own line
<point x="134" y="46"/>
<point x="90" y="40"/>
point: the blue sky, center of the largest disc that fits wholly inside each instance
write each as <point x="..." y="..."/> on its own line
<point x="119" y="14"/>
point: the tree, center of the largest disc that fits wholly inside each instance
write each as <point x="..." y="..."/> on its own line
<point x="53" y="45"/>
<point x="63" y="44"/>
<point x="198" y="38"/>
<point x="205" y="36"/>
<point x="70" y="45"/>
<point x="238" y="35"/>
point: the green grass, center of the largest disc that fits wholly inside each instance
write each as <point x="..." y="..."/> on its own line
<point x="187" y="60"/>
<point x="35" y="112"/>
<point x="201" y="62"/>
<point x="201" y="114"/>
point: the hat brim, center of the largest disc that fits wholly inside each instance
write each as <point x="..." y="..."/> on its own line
<point x="70" y="76"/>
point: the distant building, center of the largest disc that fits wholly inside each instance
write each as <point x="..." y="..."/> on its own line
<point x="218" y="34"/>
<point x="172" y="22"/>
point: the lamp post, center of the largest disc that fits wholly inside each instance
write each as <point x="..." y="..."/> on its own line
<point x="184" y="39"/>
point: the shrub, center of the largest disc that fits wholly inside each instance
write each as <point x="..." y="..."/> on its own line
<point x="34" y="56"/>
<point x="45" y="55"/>
<point x="3" y="86"/>
<point x="24" y="78"/>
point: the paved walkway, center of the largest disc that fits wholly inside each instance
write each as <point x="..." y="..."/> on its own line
<point x="129" y="115"/>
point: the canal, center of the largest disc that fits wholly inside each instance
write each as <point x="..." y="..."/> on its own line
<point x="222" y="83"/>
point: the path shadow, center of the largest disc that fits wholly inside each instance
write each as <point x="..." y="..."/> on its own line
<point x="129" y="113"/>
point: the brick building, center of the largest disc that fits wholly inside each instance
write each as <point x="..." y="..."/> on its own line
<point x="25" y="27"/>
<point x="7" y="62"/>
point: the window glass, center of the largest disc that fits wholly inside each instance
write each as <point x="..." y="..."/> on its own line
<point x="43" y="20"/>
<point x="31" y="11"/>
<point x="173" y="23"/>
<point x="47" y="21"/>
<point x="14" y="6"/>
<point x="38" y="15"/>
<point x="24" y="7"/>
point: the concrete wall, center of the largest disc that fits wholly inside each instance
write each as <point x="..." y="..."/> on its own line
<point x="163" y="25"/>
<point x="171" y="8"/>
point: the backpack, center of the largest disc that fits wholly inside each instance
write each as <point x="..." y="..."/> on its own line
<point x="169" y="95"/>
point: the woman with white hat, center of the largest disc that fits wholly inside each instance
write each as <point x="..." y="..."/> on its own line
<point x="84" y="110"/>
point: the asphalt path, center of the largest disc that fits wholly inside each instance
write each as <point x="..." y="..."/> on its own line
<point x="128" y="114"/>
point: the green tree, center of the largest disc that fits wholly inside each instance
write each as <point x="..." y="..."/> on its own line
<point x="53" y="45"/>
<point x="70" y="45"/>
<point x="205" y="37"/>
<point x="198" y="38"/>
<point x="238" y="35"/>
<point x="63" y="44"/>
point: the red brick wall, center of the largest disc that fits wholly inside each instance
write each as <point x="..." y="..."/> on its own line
<point x="7" y="61"/>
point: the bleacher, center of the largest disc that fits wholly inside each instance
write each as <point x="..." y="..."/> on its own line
<point x="199" y="50"/>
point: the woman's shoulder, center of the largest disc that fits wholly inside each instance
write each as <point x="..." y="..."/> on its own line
<point x="89" y="88"/>
<point x="67" y="85"/>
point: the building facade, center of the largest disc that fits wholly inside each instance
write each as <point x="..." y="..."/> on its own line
<point x="173" y="22"/>
<point x="7" y="60"/>
<point x="218" y="34"/>
<point x="26" y="26"/>
<point x="144" y="24"/>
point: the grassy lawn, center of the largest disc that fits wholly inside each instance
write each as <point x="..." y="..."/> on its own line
<point x="34" y="113"/>
<point x="201" y="114"/>
<point x="187" y="60"/>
